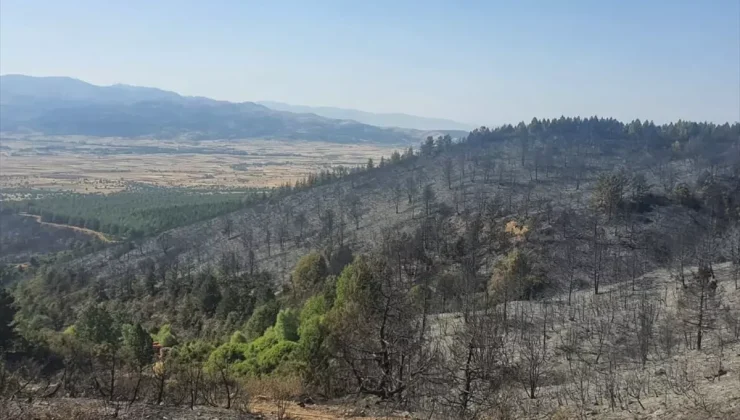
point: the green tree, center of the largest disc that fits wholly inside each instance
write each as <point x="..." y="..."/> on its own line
<point x="286" y="325"/>
<point x="96" y="326"/>
<point x="444" y="143"/>
<point x="7" y="314"/>
<point x="309" y="273"/>
<point x="222" y="365"/>
<point x="137" y="346"/>
<point x="165" y="337"/>
<point x="427" y="147"/>
<point x="375" y="329"/>
<point x="238" y="337"/>
<point x="395" y="157"/>
<point x="210" y="294"/>
<point x="312" y="351"/>
<point x="264" y="317"/>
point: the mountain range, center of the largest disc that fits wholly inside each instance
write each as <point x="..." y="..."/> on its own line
<point x="67" y="106"/>
<point x="379" y="119"/>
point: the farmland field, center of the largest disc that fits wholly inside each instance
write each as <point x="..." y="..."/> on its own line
<point x="105" y="165"/>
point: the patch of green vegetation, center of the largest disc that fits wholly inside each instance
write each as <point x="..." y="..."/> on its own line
<point x="240" y="167"/>
<point x="135" y="212"/>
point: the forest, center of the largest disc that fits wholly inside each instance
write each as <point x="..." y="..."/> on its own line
<point x="137" y="212"/>
<point x="565" y="268"/>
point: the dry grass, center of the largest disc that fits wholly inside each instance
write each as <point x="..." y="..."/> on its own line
<point x="279" y="391"/>
<point x="108" y="165"/>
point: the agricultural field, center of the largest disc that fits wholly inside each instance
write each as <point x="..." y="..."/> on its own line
<point x="105" y="165"/>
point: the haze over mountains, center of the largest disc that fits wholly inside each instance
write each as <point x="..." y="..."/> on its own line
<point x="372" y="118"/>
<point x="67" y="106"/>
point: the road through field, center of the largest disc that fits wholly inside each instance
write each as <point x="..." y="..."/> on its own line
<point x="100" y="235"/>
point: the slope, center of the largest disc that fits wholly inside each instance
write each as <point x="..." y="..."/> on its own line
<point x="490" y="178"/>
<point x="507" y="275"/>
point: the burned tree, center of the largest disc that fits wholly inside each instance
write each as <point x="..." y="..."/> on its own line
<point x="354" y="208"/>
<point x="700" y="304"/>
<point x="397" y="195"/>
<point x="428" y="198"/>
<point x="447" y="171"/>
<point x="300" y="222"/>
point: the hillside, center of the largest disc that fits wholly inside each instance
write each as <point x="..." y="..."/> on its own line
<point x="66" y="106"/>
<point x="372" y="118"/>
<point x="566" y="268"/>
<point x="595" y="370"/>
<point x="479" y="179"/>
<point x="20" y="234"/>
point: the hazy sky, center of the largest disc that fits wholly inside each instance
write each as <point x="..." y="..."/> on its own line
<point x="484" y="62"/>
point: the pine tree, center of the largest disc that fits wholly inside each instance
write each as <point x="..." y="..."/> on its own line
<point x="7" y="313"/>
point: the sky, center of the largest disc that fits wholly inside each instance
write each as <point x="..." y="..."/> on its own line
<point x="484" y="63"/>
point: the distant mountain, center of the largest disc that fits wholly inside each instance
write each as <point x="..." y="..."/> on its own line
<point x="379" y="119"/>
<point x="66" y="106"/>
<point x="17" y="87"/>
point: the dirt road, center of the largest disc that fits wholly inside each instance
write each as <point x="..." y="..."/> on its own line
<point x="101" y="236"/>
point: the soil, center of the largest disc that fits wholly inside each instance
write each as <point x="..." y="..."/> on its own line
<point x="89" y="409"/>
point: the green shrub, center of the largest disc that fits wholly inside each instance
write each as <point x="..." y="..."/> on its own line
<point x="286" y="325"/>
<point x="309" y="273"/>
<point x="264" y="316"/>
<point x="272" y="358"/>
<point x="238" y="337"/>
<point x="227" y="354"/>
<point x="165" y="337"/>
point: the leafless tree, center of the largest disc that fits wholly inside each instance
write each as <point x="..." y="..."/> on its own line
<point x="473" y="166"/>
<point x="267" y="231"/>
<point x="534" y="356"/>
<point x="447" y="171"/>
<point x="165" y="242"/>
<point x="646" y="314"/>
<point x="227" y="226"/>
<point x="598" y="250"/>
<point x="488" y="165"/>
<point x="300" y="221"/>
<point x="700" y="303"/>
<point x="666" y="174"/>
<point x="354" y="207"/>
<point x="397" y="194"/>
<point x="410" y="188"/>
<point x="732" y="245"/>
<point x="428" y="197"/>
